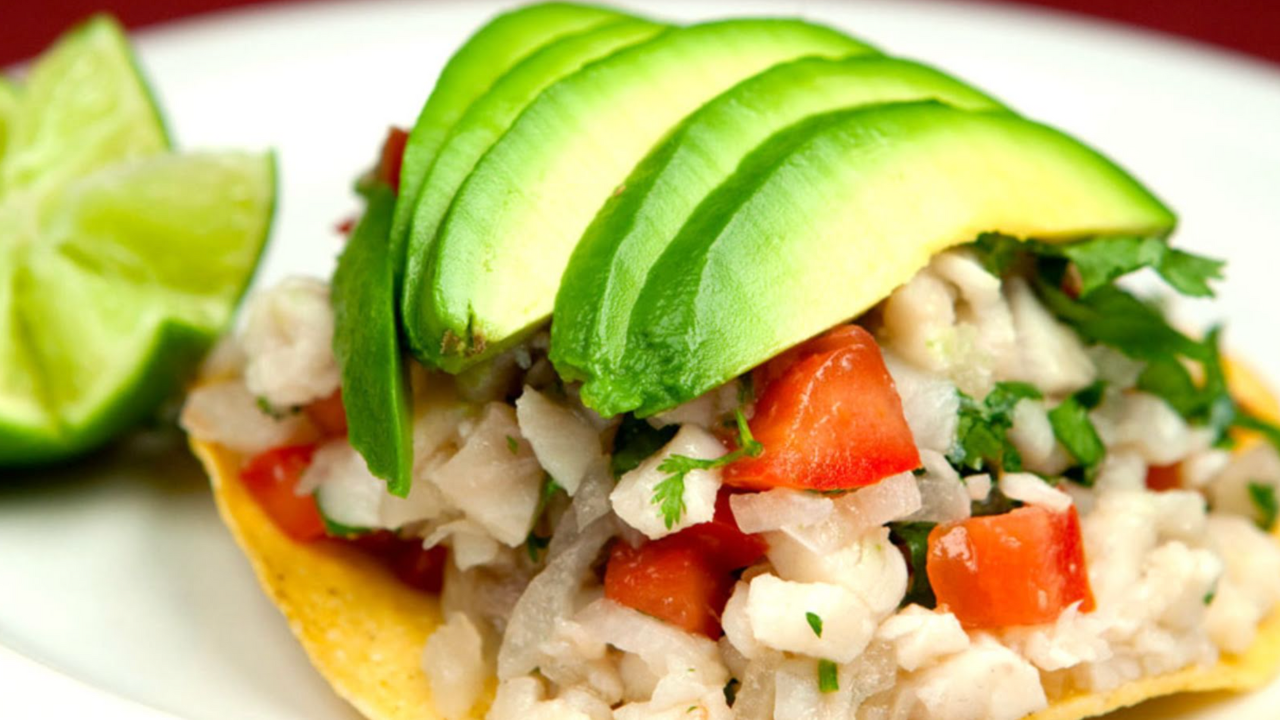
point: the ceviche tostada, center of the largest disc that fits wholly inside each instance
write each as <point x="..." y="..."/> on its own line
<point x="741" y="370"/>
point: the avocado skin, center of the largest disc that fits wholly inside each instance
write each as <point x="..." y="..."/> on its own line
<point x="366" y="344"/>
<point x="471" y="70"/>
<point x="827" y="217"/>
<point x="492" y="274"/>
<point x="610" y="263"/>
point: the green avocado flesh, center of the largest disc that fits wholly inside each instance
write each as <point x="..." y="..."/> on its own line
<point x="492" y="114"/>
<point x="609" y="265"/>
<point x="365" y="342"/>
<point x="495" y="266"/>
<point x="827" y="217"/>
<point x="493" y="50"/>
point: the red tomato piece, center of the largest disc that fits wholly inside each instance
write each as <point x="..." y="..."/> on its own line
<point x="686" y="578"/>
<point x="1021" y="568"/>
<point x="271" y="479"/>
<point x="829" y="418"/>
<point x="329" y="415"/>
<point x="345" y="227"/>
<point x="420" y="568"/>
<point x="392" y="157"/>
<point x="1163" y="477"/>
<point x="672" y="579"/>
<point x="727" y="547"/>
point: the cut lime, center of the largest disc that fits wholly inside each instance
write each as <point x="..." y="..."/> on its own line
<point x="8" y="105"/>
<point x="119" y="262"/>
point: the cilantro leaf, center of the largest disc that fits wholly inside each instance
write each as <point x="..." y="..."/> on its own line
<point x="1265" y="502"/>
<point x="1189" y="274"/>
<point x="636" y="441"/>
<point x="982" y="433"/>
<point x="513" y="445"/>
<point x="913" y="537"/>
<point x="535" y="544"/>
<point x="828" y="676"/>
<point x="1111" y="316"/>
<point x="1074" y="429"/>
<point x="815" y="623"/>
<point x="668" y="494"/>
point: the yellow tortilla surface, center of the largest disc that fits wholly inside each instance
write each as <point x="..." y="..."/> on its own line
<point x="364" y="630"/>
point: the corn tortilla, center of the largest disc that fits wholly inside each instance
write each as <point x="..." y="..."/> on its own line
<point x="364" y="630"/>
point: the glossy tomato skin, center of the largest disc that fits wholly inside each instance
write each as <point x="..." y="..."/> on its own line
<point x="829" y="418"/>
<point x="392" y="158"/>
<point x="271" y="478"/>
<point x="672" y="579"/>
<point x="1021" y="568"/>
<point x="686" y="578"/>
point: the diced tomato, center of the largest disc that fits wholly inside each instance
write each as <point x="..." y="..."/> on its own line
<point x="686" y="578"/>
<point x="672" y="579"/>
<point x="392" y="157"/>
<point x="727" y="547"/>
<point x="829" y="417"/>
<point x="1163" y="477"/>
<point x="1021" y="568"/>
<point x="272" y="478"/>
<point x="329" y="415"/>
<point x="419" y="568"/>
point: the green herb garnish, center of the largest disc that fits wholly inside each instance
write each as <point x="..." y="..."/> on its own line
<point x="914" y="538"/>
<point x="513" y="445"/>
<point x="535" y="544"/>
<point x="636" y="441"/>
<point x="815" y="623"/>
<point x="668" y="495"/>
<point x="828" y="679"/>
<point x="982" y="440"/>
<point x="1074" y="429"/>
<point x="1265" y="502"/>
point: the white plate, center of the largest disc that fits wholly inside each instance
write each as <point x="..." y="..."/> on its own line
<point x="115" y="576"/>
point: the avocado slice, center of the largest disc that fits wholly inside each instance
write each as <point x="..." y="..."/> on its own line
<point x="492" y="113"/>
<point x="609" y="265"/>
<point x="489" y="53"/>
<point x="492" y="273"/>
<point x="377" y="398"/>
<point x="827" y="217"/>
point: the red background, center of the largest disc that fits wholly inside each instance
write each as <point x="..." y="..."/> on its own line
<point x="1250" y="26"/>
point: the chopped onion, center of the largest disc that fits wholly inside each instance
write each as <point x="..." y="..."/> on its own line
<point x="1030" y="489"/>
<point x="890" y="499"/>
<point x="943" y="497"/>
<point x="778" y="508"/>
<point x="979" y="487"/>
<point x="550" y="597"/>
<point x="930" y="404"/>
<point x="665" y="648"/>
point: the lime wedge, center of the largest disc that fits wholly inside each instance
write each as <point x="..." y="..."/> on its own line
<point x="8" y="105"/>
<point x="119" y="262"/>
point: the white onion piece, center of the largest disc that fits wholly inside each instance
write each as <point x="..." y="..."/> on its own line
<point x="471" y="545"/>
<point x="227" y="414"/>
<point x="705" y="411"/>
<point x="943" y="497"/>
<point x="567" y="445"/>
<point x="664" y="648"/>
<point x="930" y="404"/>
<point x="756" y="694"/>
<point x="979" y="486"/>
<point x="778" y="508"/>
<point x="1030" y="489"/>
<point x="890" y="499"/>
<point x="454" y="663"/>
<point x="592" y="499"/>
<point x="550" y="597"/>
